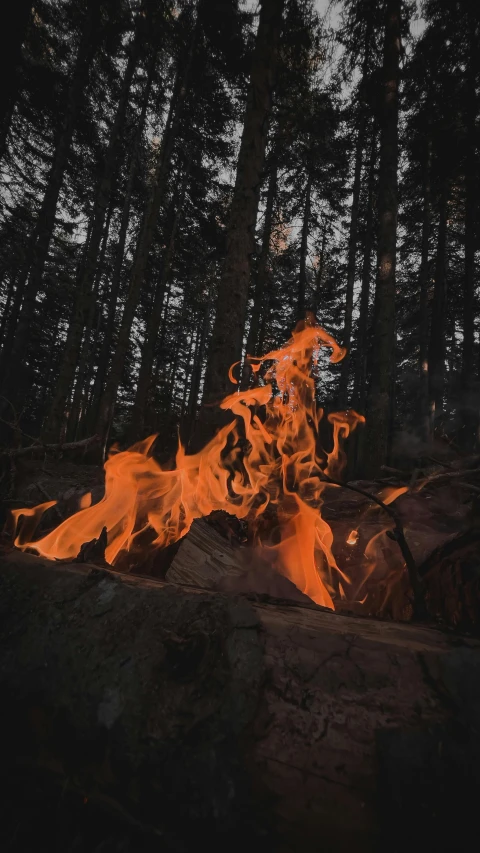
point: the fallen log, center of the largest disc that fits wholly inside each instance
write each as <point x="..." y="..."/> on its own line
<point x="138" y="715"/>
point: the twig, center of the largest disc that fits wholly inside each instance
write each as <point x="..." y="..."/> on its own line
<point x="471" y="487"/>
<point x="403" y="474"/>
<point x="439" y="462"/>
<point x="398" y="535"/>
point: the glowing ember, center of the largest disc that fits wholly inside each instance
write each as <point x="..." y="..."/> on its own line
<point x="267" y="456"/>
<point x="352" y="537"/>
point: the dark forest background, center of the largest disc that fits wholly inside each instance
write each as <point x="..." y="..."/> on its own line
<point x="181" y="180"/>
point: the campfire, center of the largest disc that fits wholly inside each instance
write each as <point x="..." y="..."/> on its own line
<point x="264" y="466"/>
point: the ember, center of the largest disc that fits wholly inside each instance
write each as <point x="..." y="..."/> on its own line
<point x="267" y="455"/>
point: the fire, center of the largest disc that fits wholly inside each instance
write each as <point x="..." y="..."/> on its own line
<point x="268" y="455"/>
<point x="352" y="538"/>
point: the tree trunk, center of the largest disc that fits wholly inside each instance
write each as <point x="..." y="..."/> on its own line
<point x="85" y="367"/>
<point x="356" y="441"/>
<point x="227" y="337"/>
<point x="379" y="404"/>
<point x="360" y="376"/>
<point x="145" y="239"/>
<point x="258" y="306"/>
<point x="302" y="278"/>
<point x="13" y="387"/>
<point x="136" y="713"/>
<point x="353" y="232"/>
<point x="197" y="371"/>
<point x="13" y="33"/>
<point x="469" y="382"/>
<point x="436" y="348"/>
<point x="6" y="309"/>
<point x="120" y="254"/>
<point x="73" y="343"/>
<point x="154" y="319"/>
<point x="317" y="296"/>
<point x="425" y="428"/>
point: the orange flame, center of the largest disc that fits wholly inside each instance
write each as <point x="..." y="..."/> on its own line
<point x="268" y="455"/>
<point x="352" y="538"/>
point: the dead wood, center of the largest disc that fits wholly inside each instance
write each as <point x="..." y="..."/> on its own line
<point x="451" y="576"/>
<point x="38" y="447"/>
<point x="145" y="711"/>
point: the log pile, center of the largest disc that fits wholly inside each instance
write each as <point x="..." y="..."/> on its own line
<point x="139" y="715"/>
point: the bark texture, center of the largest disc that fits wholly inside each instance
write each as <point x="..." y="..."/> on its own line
<point x="438" y="328"/>
<point x="425" y="421"/>
<point x="171" y="715"/>
<point x="227" y="336"/>
<point x="379" y="403"/>
<point x="469" y="384"/>
<point x="259" y="307"/>
<point x="353" y="232"/>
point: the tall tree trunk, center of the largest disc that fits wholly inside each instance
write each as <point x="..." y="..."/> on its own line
<point x="197" y="370"/>
<point x="425" y="428"/>
<point x="258" y="306"/>
<point x="146" y="236"/>
<point x="360" y="375"/>
<point x="469" y="384"/>
<point x="436" y="348"/>
<point x="353" y="231"/>
<point x="317" y="295"/>
<point x="119" y="255"/>
<point x="379" y="403"/>
<point x="154" y="318"/>
<point x="302" y="278"/>
<point x="37" y="254"/>
<point x="227" y="336"/>
<point x="84" y="287"/>
<point x="12" y="36"/>
<point x="77" y="410"/>
<point x="6" y="309"/>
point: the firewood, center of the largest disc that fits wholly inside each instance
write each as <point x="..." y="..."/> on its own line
<point x="174" y="718"/>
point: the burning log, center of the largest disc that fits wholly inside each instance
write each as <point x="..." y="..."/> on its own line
<point x="138" y="715"/>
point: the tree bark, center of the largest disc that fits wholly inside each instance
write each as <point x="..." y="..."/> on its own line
<point x="73" y="343"/>
<point x="120" y="254"/>
<point x="40" y="240"/>
<point x="360" y="376"/>
<point x="145" y="239"/>
<point x="154" y="319"/>
<point x="258" y="306"/>
<point x="302" y="277"/>
<point x="354" y="211"/>
<point x="197" y="371"/>
<point x="153" y="713"/>
<point x="436" y="347"/>
<point x="423" y="366"/>
<point x="379" y="404"/>
<point x="227" y="337"/>
<point x="85" y="366"/>
<point x="317" y="296"/>
<point x="469" y="381"/>
<point x="13" y="33"/>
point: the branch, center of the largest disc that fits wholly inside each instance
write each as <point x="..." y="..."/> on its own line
<point x="50" y="448"/>
<point x="398" y="535"/>
<point x="445" y="476"/>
